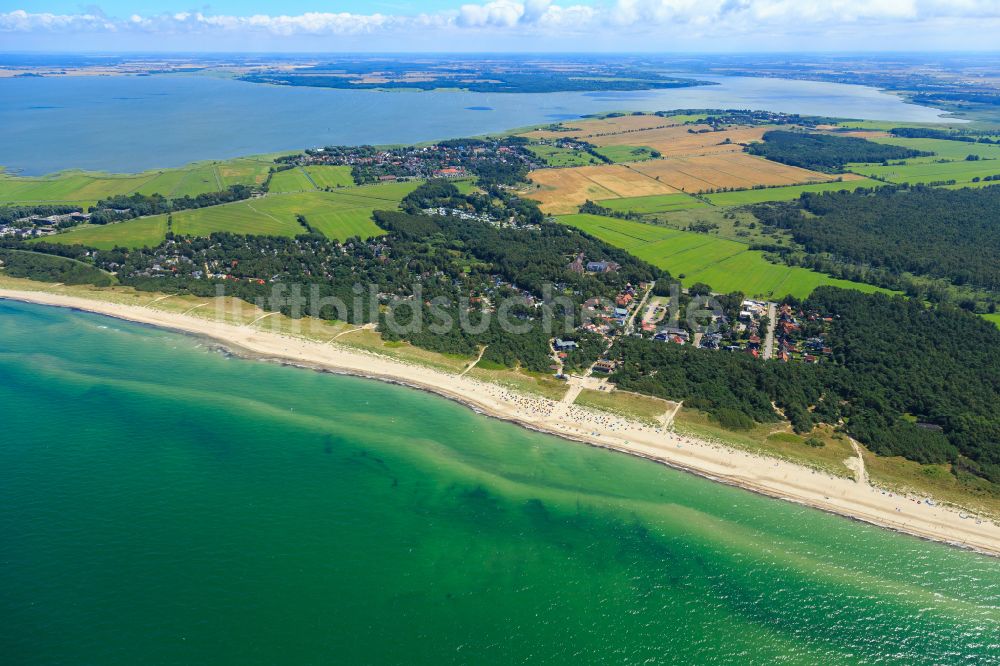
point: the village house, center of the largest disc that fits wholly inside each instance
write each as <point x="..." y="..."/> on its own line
<point x="564" y="345"/>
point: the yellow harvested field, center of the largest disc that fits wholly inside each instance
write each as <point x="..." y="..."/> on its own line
<point x="564" y="190"/>
<point x="711" y="172"/>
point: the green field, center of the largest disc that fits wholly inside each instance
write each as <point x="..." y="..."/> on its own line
<point x="931" y="169"/>
<point x="995" y="318"/>
<point x="745" y="197"/>
<point x="563" y="157"/>
<point x="961" y="172"/>
<point x="330" y="176"/>
<point x="340" y="214"/>
<point x="466" y="185"/>
<point x="85" y="188"/>
<point x="626" y="153"/>
<point x="307" y="179"/>
<point x="142" y="232"/>
<point x="886" y="125"/>
<point x="656" y="203"/>
<point x="723" y="264"/>
<point x="290" y="180"/>
<point x="944" y="149"/>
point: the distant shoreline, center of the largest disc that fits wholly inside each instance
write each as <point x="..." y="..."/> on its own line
<point x="772" y="477"/>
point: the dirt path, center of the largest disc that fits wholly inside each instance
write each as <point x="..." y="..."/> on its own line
<point x="189" y="310"/>
<point x="265" y="316"/>
<point x="474" y="363"/>
<point x="668" y="418"/>
<point x="861" y="474"/>
<point x="158" y="299"/>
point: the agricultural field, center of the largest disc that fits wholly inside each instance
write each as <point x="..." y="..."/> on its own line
<point x="307" y="179"/>
<point x="625" y="153"/>
<point x="564" y="190"/>
<point x="886" y="125"/>
<point x="670" y="135"/>
<point x="562" y="157"/>
<point x="83" y="188"/>
<point x="788" y="192"/>
<point x="657" y="203"/>
<point x="725" y="265"/>
<point x="708" y="172"/>
<point x="944" y="149"/>
<point x="290" y="180"/>
<point x="686" y="140"/>
<point x="141" y="232"/>
<point x="340" y="214"/>
<point x="330" y="176"/>
<point x="961" y="172"/>
<point x="932" y="169"/>
<point x="244" y="171"/>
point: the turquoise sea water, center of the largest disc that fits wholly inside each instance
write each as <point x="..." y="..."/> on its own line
<point x="164" y="503"/>
<point x="126" y="124"/>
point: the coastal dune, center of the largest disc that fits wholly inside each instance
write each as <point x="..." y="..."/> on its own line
<point x="769" y="476"/>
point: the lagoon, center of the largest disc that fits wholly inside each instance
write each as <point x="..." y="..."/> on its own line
<point x="132" y="123"/>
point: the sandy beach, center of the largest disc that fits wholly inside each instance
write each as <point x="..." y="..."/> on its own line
<point x="768" y="476"/>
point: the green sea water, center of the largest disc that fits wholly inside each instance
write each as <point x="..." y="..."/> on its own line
<point x="164" y="503"/>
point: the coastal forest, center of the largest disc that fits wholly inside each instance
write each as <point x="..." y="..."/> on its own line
<point x="942" y="233"/>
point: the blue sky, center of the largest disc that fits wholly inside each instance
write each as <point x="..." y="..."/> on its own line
<point x="500" y="25"/>
<point x="234" y="7"/>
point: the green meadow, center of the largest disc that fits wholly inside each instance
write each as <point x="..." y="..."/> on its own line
<point x="330" y="176"/>
<point x="307" y="179"/>
<point x="961" y="172"/>
<point x="995" y="318"/>
<point x="787" y="193"/>
<point x="723" y="264"/>
<point x="563" y="157"/>
<point x="886" y="125"/>
<point x="626" y="153"/>
<point x="655" y="203"/>
<point x="932" y="169"/>
<point x="944" y="149"/>
<point x="84" y="188"/>
<point x="340" y="214"/>
<point x="290" y="180"/>
<point x="141" y="232"/>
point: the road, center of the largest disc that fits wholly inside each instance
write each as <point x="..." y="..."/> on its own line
<point x="630" y="324"/>
<point x="772" y="321"/>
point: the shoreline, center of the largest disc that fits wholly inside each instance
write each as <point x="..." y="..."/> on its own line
<point x="773" y="477"/>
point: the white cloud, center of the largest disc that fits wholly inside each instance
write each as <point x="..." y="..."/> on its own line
<point x="667" y="18"/>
